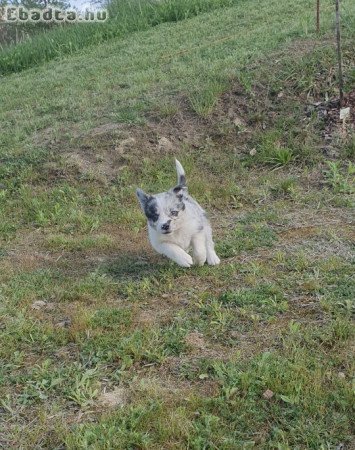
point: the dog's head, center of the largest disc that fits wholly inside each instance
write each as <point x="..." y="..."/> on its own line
<point x="165" y="212"/>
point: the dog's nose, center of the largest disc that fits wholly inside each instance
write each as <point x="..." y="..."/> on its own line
<point x="166" y="225"/>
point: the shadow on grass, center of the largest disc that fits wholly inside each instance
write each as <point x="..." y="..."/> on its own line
<point x="136" y="266"/>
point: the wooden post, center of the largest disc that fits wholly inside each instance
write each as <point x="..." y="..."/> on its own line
<point x="340" y="65"/>
<point x="317" y="15"/>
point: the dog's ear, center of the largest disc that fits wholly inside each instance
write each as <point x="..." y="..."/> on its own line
<point x="181" y="178"/>
<point x="142" y="197"/>
<point x="180" y="191"/>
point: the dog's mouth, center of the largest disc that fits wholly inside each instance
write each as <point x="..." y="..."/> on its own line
<point x="167" y="232"/>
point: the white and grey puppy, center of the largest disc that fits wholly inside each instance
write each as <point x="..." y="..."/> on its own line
<point x="176" y="222"/>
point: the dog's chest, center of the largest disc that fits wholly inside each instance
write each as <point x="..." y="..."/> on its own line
<point x="180" y="238"/>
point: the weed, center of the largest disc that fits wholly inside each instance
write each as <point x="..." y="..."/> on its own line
<point x="203" y="101"/>
<point x="279" y="157"/>
<point x="339" y="181"/>
<point x="284" y="188"/>
<point x="85" y="388"/>
<point x="349" y="148"/>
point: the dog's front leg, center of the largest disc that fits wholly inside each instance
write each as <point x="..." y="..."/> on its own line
<point x="175" y="253"/>
<point x="199" y="248"/>
<point x="212" y="258"/>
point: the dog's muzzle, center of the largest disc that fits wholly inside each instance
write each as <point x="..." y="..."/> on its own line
<point x="166" y="227"/>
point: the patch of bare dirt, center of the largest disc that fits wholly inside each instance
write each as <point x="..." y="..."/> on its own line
<point x="322" y="233"/>
<point x="324" y="248"/>
<point x="332" y="110"/>
<point x="116" y="398"/>
<point x="339" y="120"/>
<point x="246" y="345"/>
<point x="315" y="218"/>
<point x="27" y="254"/>
<point x="156" y="312"/>
<point x="299" y="233"/>
<point x="303" y="233"/>
<point x="102" y="152"/>
<point x="196" y="342"/>
<point x="162" y="308"/>
<point x="29" y="261"/>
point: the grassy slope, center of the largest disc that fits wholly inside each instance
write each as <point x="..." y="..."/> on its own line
<point x="118" y="80"/>
<point x="194" y="350"/>
<point x="124" y="18"/>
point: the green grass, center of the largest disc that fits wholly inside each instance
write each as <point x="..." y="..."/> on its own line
<point x="124" y="18"/>
<point x="246" y="238"/>
<point x="86" y="306"/>
<point x="302" y="408"/>
<point x="264" y="299"/>
<point x="180" y="57"/>
<point x="204" y="100"/>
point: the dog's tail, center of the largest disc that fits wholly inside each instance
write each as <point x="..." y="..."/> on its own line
<point x="180" y="173"/>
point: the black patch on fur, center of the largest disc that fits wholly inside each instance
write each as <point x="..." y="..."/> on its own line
<point x="177" y="189"/>
<point x="182" y="180"/>
<point x="180" y="191"/>
<point x="151" y="209"/>
<point x="200" y="228"/>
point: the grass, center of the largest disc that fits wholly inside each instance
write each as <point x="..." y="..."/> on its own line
<point x="246" y="237"/>
<point x="254" y="353"/>
<point x="123" y="18"/>
<point x="204" y="100"/>
<point x="147" y="89"/>
<point x="299" y="405"/>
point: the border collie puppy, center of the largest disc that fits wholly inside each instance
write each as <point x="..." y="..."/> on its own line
<point x="177" y="223"/>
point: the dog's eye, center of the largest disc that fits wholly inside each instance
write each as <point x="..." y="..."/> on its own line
<point x="174" y="213"/>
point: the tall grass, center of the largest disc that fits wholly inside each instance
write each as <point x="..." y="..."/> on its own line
<point x="124" y="17"/>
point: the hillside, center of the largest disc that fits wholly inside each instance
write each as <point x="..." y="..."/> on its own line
<point x="123" y="19"/>
<point x="106" y="345"/>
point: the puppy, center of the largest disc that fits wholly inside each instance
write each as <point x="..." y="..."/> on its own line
<point x="176" y="222"/>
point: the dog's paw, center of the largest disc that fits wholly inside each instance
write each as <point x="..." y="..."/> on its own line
<point x="199" y="261"/>
<point x="185" y="260"/>
<point x="213" y="259"/>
